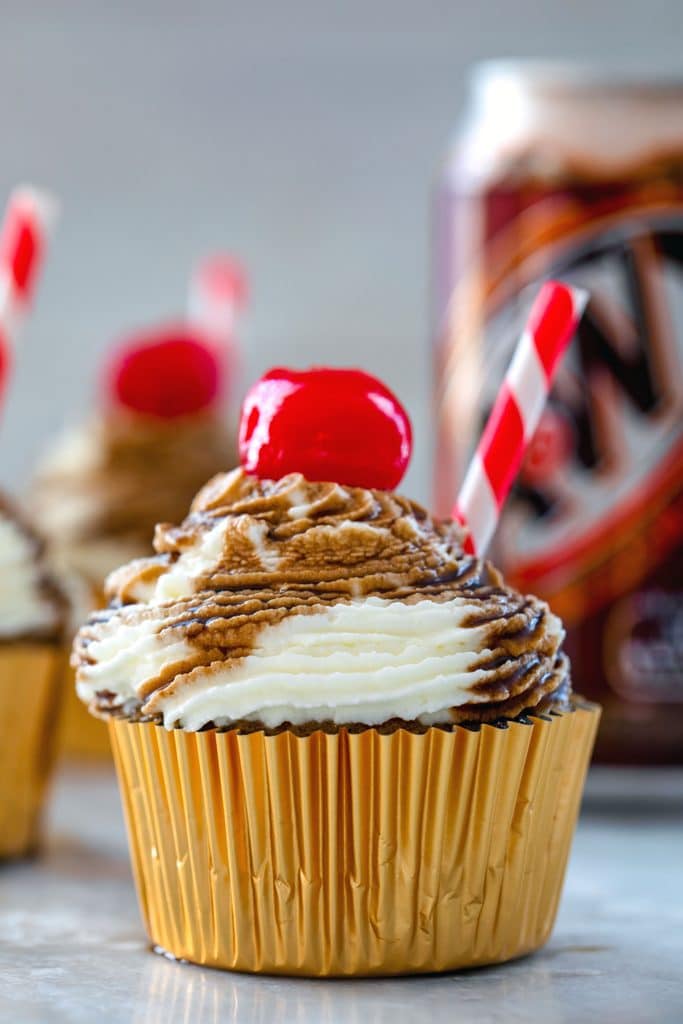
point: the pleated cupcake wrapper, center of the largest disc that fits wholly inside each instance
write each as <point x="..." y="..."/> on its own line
<point x="352" y="853"/>
<point x="80" y="735"/>
<point x="30" y="689"/>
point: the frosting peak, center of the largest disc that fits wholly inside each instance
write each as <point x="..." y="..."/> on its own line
<point x="291" y="532"/>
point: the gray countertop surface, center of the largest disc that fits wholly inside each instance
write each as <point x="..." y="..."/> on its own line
<point x="72" y="947"/>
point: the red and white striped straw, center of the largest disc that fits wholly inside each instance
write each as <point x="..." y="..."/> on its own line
<point x="551" y="325"/>
<point x="218" y="291"/>
<point x="29" y="218"/>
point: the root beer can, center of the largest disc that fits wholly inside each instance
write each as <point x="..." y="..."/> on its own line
<point x="564" y="172"/>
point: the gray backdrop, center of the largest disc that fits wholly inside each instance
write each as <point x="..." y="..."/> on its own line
<point x="302" y="135"/>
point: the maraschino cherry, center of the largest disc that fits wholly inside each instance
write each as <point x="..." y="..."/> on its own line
<point x="327" y="424"/>
<point x="165" y="373"/>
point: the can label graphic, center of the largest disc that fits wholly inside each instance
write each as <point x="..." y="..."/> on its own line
<point x="595" y="523"/>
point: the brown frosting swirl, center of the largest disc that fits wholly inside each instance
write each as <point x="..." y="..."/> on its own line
<point x="288" y="534"/>
<point x="263" y="551"/>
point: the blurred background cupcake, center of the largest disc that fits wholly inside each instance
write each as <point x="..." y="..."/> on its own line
<point x="162" y="428"/>
<point x="32" y="614"/>
<point x="32" y="609"/>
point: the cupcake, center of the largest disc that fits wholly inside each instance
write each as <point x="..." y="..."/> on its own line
<point x="159" y="434"/>
<point x="31" y="644"/>
<point x="344" y="745"/>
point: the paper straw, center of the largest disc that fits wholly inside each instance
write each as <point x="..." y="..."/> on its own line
<point x="218" y="291"/>
<point x="29" y="218"/>
<point x="551" y="325"/>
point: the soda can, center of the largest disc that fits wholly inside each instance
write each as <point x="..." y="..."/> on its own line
<point x="571" y="173"/>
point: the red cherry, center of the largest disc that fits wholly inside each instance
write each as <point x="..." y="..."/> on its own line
<point x="341" y="425"/>
<point x="166" y="373"/>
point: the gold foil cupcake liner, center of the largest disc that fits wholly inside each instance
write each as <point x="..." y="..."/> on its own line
<point x="80" y="734"/>
<point x="30" y="687"/>
<point x="352" y="853"/>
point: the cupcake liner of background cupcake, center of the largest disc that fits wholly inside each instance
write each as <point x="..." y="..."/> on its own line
<point x="80" y="734"/>
<point x="30" y="676"/>
<point x="352" y="853"/>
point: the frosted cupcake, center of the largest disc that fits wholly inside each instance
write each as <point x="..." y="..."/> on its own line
<point x="344" y="746"/>
<point x="31" y="637"/>
<point x="99" y="492"/>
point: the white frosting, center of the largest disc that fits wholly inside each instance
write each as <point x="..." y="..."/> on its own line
<point x="126" y="657"/>
<point x="257" y="532"/>
<point x="24" y="608"/>
<point x="366" y="661"/>
<point x="180" y="578"/>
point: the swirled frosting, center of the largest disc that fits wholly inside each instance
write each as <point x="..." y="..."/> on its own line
<point x="31" y="607"/>
<point x="292" y="602"/>
<point x="99" y="493"/>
